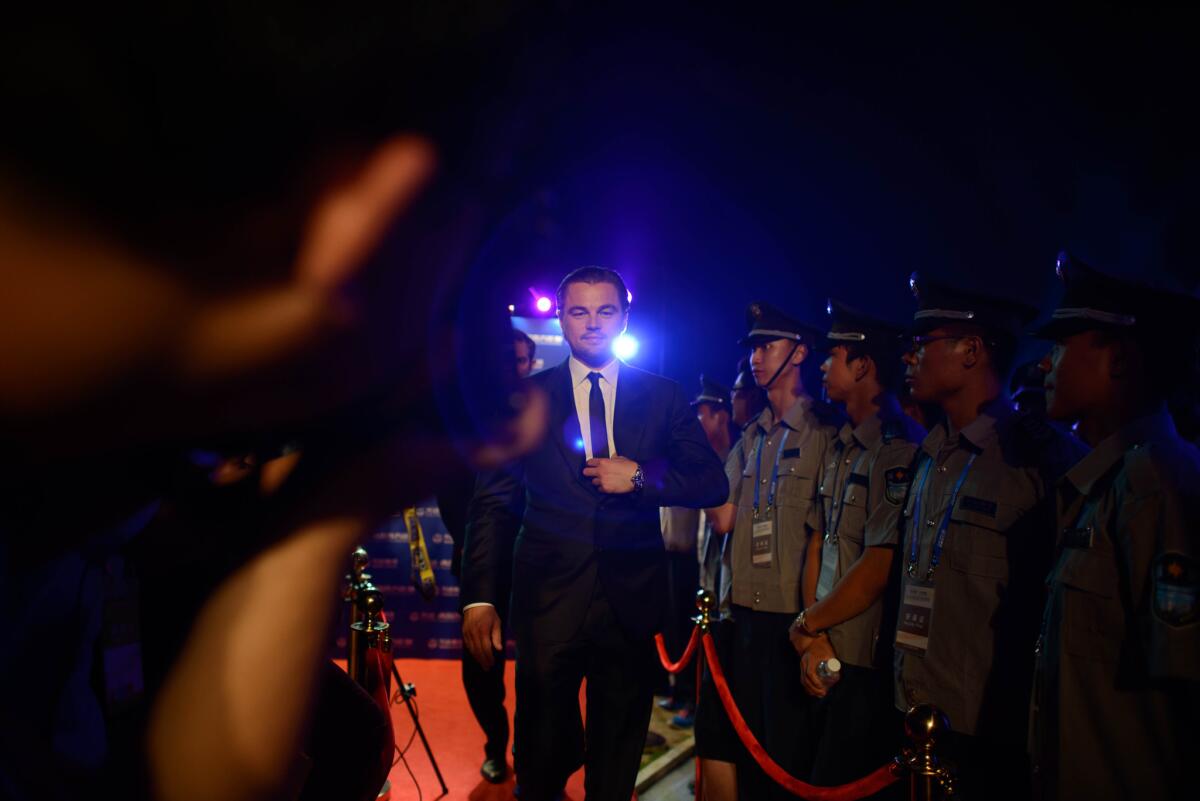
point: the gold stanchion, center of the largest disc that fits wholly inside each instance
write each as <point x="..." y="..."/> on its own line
<point x="705" y="603"/>
<point x="369" y="633"/>
<point x="369" y="630"/>
<point x="929" y="777"/>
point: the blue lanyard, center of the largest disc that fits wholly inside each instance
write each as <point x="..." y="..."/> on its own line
<point x="832" y="535"/>
<point x="935" y="554"/>
<point x="774" y="472"/>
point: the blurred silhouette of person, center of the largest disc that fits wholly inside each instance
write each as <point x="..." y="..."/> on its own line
<point x="203" y="238"/>
<point x="485" y="688"/>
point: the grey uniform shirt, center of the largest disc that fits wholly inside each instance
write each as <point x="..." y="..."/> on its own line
<point x="1116" y="703"/>
<point x="863" y="486"/>
<point x="776" y="587"/>
<point x="989" y="584"/>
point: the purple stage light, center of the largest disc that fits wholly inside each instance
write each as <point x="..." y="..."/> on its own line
<point x="542" y="304"/>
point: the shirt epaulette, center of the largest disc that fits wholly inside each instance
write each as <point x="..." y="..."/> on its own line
<point x="893" y="429"/>
<point x="1155" y="466"/>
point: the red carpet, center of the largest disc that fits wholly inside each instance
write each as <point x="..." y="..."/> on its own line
<point x="453" y="735"/>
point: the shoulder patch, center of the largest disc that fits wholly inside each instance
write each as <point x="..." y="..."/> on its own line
<point x="897" y="480"/>
<point x="1176" y="587"/>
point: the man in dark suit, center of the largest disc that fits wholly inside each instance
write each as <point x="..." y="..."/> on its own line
<point x="588" y="579"/>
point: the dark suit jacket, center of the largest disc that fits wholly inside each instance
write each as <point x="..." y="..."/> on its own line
<point x="571" y="536"/>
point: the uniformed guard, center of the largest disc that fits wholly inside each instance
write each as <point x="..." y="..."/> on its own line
<point x="1116" y="705"/>
<point x="693" y="554"/>
<point x="717" y="745"/>
<point x="863" y="485"/>
<point x="976" y="543"/>
<point x="771" y="509"/>
<point x="712" y="406"/>
<point x="747" y="400"/>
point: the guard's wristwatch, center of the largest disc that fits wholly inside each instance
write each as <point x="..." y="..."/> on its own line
<point x="801" y="623"/>
<point x="639" y="479"/>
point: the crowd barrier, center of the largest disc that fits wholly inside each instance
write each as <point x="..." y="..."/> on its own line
<point x="928" y="776"/>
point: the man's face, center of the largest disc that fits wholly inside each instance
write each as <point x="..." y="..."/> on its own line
<point x="838" y="377"/>
<point x="591" y="320"/>
<point x="524" y="360"/>
<point x="934" y="370"/>
<point x="767" y="357"/>
<point x="741" y="401"/>
<point x="714" y="419"/>
<point x="1077" y="372"/>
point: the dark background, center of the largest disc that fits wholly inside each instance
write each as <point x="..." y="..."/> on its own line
<point x="718" y="155"/>
<point x="714" y="153"/>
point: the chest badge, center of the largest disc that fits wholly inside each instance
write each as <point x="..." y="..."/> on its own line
<point x="1176" y="587"/>
<point x="897" y="480"/>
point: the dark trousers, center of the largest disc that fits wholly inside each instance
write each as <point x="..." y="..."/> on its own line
<point x="768" y="692"/>
<point x="485" y="694"/>
<point x="683" y="579"/>
<point x="856" y="728"/>
<point x="986" y="769"/>
<point x="715" y="735"/>
<point x="550" y="741"/>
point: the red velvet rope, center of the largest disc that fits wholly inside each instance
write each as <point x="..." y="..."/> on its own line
<point x="868" y="785"/>
<point x="688" y="653"/>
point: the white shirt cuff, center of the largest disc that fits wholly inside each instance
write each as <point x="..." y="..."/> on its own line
<point x="481" y="603"/>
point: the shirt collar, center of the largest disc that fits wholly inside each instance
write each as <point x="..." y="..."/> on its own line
<point x="870" y="431"/>
<point x="794" y="418"/>
<point x="579" y="371"/>
<point x="978" y="434"/>
<point x="1097" y="462"/>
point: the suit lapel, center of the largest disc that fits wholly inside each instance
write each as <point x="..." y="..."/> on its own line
<point x="564" y="423"/>
<point x="629" y="418"/>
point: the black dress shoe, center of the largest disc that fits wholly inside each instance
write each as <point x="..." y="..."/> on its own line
<point x="494" y="770"/>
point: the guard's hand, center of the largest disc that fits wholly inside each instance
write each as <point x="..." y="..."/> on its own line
<point x="800" y="639"/>
<point x="819" y="650"/>
<point x="481" y="634"/>
<point x="612" y="476"/>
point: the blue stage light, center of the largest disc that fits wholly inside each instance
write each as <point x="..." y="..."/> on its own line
<point x="625" y="347"/>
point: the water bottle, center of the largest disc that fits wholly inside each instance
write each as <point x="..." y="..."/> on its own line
<point x="830" y="670"/>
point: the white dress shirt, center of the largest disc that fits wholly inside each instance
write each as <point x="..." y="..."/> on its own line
<point x="583" y="394"/>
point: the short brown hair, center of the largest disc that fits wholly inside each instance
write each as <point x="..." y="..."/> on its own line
<point x="593" y="275"/>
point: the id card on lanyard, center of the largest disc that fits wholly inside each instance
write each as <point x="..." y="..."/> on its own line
<point x="916" y="604"/>
<point x="762" y="533"/>
<point x="830" y="550"/>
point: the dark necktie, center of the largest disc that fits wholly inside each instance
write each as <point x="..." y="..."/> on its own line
<point x="596" y="419"/>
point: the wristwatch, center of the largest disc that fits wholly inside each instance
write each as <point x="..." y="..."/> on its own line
<point x="801" y="623"/>
<point x="639" y="479"/>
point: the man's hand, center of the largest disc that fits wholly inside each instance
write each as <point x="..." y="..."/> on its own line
<point x="801" y="640"/>
<point x="481" y="634"/>
<point x="612" y="476"/>
<point x="818" y="651"/>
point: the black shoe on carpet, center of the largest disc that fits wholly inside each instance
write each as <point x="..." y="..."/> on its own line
<point x="494" y="770"/>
